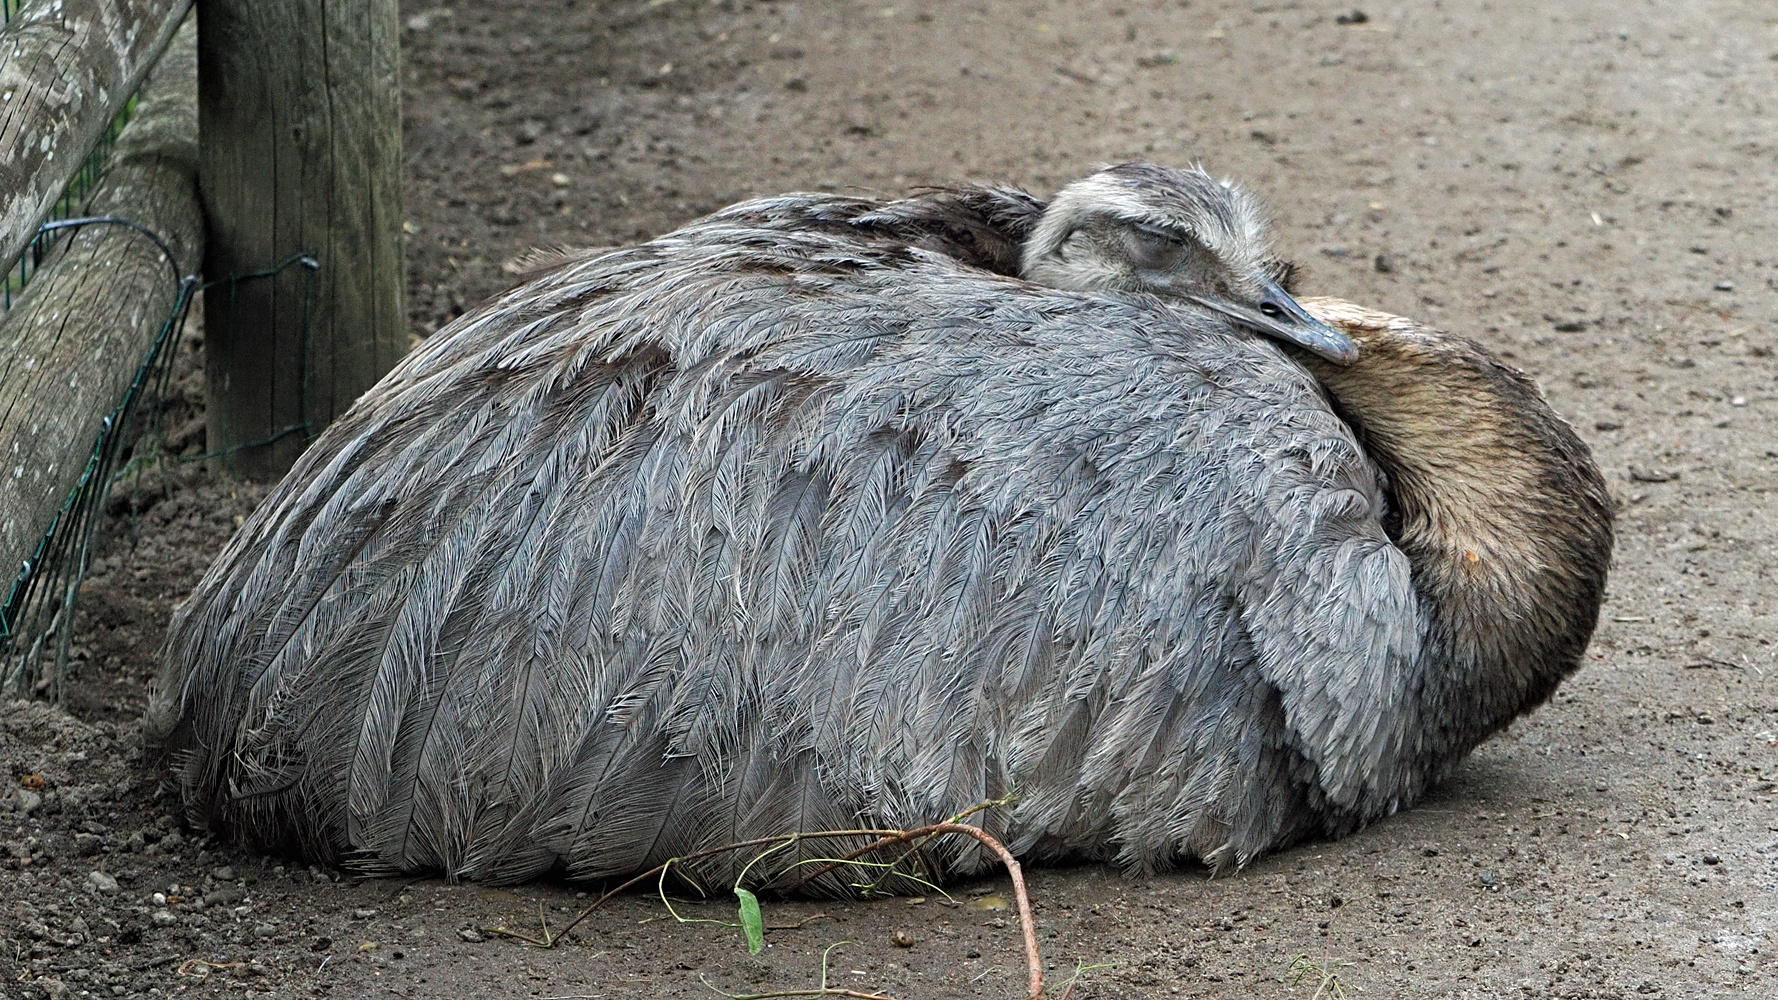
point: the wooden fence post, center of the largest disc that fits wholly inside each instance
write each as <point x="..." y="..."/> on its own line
<point x="299" y="110"/>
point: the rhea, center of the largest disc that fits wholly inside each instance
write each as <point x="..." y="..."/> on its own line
<point x="824" y="512"/>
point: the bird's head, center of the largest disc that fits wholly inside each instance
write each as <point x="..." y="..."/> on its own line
<point x="1138" y="227"/>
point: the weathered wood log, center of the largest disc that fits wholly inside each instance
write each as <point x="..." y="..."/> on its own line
<point x="300" y="113"/>
<point x="66" y="69"/>
<point x="76" y="338"/>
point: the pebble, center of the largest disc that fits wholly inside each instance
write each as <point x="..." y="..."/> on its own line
<point x="26" y="801"/>
<point x="102" y="882"/>
<point x="223" y="896"/>
<point x="164" y="918"/>
<point x="223" y="873"/>
<point x="471" y="935"/>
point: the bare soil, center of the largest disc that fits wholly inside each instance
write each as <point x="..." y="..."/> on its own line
<point x="1586" y="187"/>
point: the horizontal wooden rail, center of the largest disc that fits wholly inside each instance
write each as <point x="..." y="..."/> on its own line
<point x="66" y="68"/>
<point x="79" y="334"/>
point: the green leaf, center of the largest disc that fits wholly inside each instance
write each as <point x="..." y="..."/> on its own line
<point x="751" y="922"/>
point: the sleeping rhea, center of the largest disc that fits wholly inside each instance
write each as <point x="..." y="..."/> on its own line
<point x="823" y="512"/>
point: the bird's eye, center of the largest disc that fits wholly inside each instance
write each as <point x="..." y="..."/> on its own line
<point x="1153" y="249"/>
<point x="1271" y="309"/>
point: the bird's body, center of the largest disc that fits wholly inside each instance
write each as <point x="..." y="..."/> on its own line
<point x="802" y="517"/>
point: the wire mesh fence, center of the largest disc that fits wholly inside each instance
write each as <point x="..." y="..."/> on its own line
<point x="37" y="611"/>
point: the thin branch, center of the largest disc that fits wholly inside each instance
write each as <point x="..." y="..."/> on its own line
<point x="1027" y="924"/>
<point x="914" y="849"/>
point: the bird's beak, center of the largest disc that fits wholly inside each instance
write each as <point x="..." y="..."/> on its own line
<point x="1281" y="317"/>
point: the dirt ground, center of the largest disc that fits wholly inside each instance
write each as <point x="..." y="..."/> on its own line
<point x="1588" y="187"/>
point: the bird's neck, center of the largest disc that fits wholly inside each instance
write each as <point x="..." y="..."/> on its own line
<point x="1498" y="506"/>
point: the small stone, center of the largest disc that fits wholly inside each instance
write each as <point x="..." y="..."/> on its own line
<point x="363" y="914"/>
<point x="158" y="899"/>
<point x="223" y="873"/>
<point x="88" y="844"/>
<point x="54" y="989"/>
<point x="264" y="930"/>
<point x="1712" y="859"/>
<point x="102" y="883"/>
<point x="1725" y="286"/>
<point x="164" y="918"/>
<point x="902" y="939"/>
<point x="27" y="801"/>
<point x="223" y="896"/>
<point x="471" y="935"/>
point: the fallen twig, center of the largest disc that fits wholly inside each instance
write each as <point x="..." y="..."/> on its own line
<point x="885" y="838"/>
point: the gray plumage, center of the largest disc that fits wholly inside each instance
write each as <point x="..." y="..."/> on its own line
<point x="810" y="515"/>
